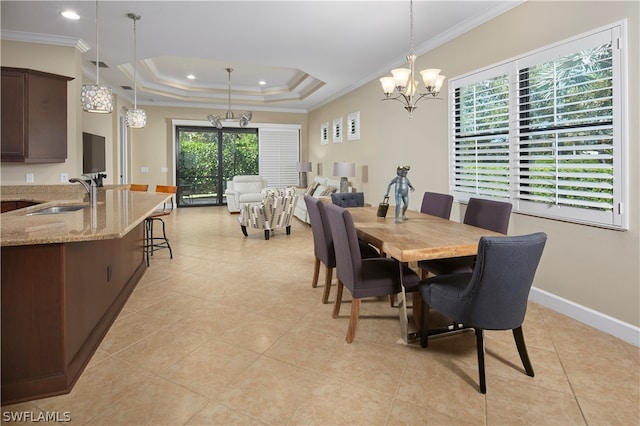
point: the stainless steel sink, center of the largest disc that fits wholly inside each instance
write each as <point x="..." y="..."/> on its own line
<point x="56" y="210"/>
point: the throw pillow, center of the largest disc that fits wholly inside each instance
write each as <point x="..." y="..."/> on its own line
<point x="328" y="191"/>
<point x="311" y="188"/>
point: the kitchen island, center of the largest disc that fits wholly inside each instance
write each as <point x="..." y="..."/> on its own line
<point x="65" y="278"/>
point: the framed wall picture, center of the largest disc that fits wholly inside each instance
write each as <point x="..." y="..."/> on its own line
<point x="353" y="126"/>
<point x="337" y="130"/>
<point x="324" y="133"/>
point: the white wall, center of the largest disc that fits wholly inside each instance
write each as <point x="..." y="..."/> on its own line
<point x="592" y="267"/>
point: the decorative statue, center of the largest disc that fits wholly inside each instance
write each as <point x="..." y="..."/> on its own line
<point x="402" y="191"/>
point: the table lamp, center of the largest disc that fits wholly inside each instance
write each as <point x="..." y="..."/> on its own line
<point x="303" y="168"/>
<point x="344" y="170"/>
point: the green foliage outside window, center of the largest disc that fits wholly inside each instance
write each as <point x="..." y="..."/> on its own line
<point x="199" y="167"/>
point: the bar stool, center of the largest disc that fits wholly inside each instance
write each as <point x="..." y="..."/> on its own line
<point x="153" y="243"/>
<point x="138" y="187"/>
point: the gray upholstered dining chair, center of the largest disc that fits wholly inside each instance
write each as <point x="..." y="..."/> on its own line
<point x="348" y="199"/>
<point x="492" y="297"/>
<point x="487" y="214"/>
<point x="437" y="204"/>
<point x="363" y="277"/>
<point x="323" y="244"/>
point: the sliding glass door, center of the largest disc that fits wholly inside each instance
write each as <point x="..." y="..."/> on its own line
<point x="207" y="157"/>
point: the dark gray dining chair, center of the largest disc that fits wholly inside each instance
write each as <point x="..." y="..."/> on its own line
<point x="492" y="297"/>
<point x="348" y="199"/>
<point x="487" y="214"/>
<point x="323" y="244"/>
<point x="371" y="277"/>
<point x="437" y="204"/>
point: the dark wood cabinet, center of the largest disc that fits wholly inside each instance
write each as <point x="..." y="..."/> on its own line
<point x="34" y="116"/>
<point x="8" y="206"/>
<point x="57" y="303"/>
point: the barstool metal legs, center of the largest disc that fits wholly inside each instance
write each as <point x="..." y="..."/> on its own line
<point x="150" y="244"/>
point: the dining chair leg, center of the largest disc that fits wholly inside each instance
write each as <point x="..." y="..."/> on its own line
<point x="416" y="303"/>
<point x="480" y="348"/>
<point x="522" y="350"/>
<point x="316" y="273"/>
<point x="327" y="284"/>
<point x="392" y="300"/>
<point x="353" y="321"/>
<point x="336" y="305"/>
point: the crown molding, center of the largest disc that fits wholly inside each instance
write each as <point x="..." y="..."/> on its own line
<point x="54" y="40"/>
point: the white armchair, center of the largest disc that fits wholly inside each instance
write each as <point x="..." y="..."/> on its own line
<point x="244" y="189"/>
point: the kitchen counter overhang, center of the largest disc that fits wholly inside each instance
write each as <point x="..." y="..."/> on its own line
<point x="117" y="213"/>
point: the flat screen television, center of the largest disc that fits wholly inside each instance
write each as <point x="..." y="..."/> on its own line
<point x="93" y="153"/>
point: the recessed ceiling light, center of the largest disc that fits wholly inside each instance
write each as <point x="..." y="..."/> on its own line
<point x="191" y="77"/>
<point x="262" y="82"/>
<point x="70" y="14"/>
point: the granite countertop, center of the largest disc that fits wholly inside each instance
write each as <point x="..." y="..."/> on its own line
<point x="118" y="212"/>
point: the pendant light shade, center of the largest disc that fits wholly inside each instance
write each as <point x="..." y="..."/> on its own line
<point x="96" y="98"/>
<point x="135" y="118"/>
<point x="93" y="97"/>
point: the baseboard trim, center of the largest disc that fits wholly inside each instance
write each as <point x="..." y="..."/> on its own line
<point x="595" y="319"/>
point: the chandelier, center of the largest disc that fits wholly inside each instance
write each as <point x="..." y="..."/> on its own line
<point x="405" y="83"/>
<point x="93" y="97"/>
<point x="136" y="118"/>
<point x="244" y="119"/>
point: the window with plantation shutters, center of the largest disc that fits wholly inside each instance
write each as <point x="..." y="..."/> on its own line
<point x="279" y="155"/>
<point x="545" y="131"/>
<point x="480" y="149"/>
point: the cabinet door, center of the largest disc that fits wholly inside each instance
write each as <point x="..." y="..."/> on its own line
<point x="34" y="116"/>
<point x="47" y="128"/>
<point x="13" y="116"/>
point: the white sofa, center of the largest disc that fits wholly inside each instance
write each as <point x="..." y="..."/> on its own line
<point x="244" y="189"/>
<point x="320" y="187"/>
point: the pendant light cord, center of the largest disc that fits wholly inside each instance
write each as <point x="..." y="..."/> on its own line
<point x="135" y="47"/>
<point x="97" y="49"/>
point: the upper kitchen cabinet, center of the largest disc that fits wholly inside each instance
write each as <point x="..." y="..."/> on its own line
<point x="34" y="116"/>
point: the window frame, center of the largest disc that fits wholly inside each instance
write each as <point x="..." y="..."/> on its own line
<point x="616" y="218"/>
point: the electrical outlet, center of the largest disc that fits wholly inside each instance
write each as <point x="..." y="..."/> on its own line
<point x="164" y="169"/>
<point x="29" y="177"/>
<point x="64" y="178"/>
<point x="144" y="170"/>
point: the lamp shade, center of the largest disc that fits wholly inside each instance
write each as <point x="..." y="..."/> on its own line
<point x="136" y="118"/>
<point x="344" y="169"/>
<point x="96" y="98"/>
<point x="304" y="166"/>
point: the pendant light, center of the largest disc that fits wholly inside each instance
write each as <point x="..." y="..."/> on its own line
<point x="96" y="98"/>
<point x="243" y="120"/>
<point x="136" y="118"/>
<point x="404" y="79"/>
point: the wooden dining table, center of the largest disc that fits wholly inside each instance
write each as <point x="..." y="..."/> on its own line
<point x="421" y="237"/>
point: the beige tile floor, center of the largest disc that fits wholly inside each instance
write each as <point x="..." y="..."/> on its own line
<point x="231" y="332"/>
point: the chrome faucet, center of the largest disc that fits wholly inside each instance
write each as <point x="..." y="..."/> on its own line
<point x="91" y="189"/>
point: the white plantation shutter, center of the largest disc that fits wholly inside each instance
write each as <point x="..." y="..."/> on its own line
<point x="566" y="144"/>
<point x="480" y="148"/>
<point x="545" y="131"/>
<point x="279" y="153"/>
